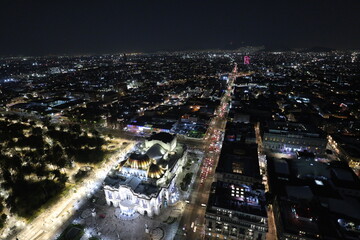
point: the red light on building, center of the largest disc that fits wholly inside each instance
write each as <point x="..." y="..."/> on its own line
<point x="246" y="60"/>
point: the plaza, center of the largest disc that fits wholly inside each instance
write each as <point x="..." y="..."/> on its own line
<point x="108" y="223"/>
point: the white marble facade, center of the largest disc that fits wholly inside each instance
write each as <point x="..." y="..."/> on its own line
<point x="144" y="191"/>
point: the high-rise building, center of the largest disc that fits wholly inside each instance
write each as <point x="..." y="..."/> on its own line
<point x="236" y="211"/>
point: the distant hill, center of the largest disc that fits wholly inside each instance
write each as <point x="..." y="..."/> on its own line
<point x="318" y="49"/>
<point x="288" y="49"/>
<point x="277" y="49"/>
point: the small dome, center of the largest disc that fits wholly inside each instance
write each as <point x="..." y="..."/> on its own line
<point x="120" y="165"/>
<point x="141" y="161"/>
<point x="155" y="171"/>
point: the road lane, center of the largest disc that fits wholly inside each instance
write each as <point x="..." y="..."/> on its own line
<point x="194" y="213"/>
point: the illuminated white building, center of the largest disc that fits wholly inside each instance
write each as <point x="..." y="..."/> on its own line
<point x="133" y="84"/>
<point x="145" y="182"/>
<point x="291" y="137"/>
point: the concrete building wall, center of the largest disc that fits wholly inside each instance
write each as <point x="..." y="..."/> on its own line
<point x="293" y="143"/>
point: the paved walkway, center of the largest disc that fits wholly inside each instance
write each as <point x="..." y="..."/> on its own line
<point x="114" y="226"/>
<point x="121" y="216"/>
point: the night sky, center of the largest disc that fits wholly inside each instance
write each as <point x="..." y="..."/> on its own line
<point x="30" y="27"/>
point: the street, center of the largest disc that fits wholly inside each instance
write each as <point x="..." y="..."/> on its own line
<point x="192" y="223"/>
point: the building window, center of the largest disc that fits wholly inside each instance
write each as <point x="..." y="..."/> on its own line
<point x="109" y="195"/>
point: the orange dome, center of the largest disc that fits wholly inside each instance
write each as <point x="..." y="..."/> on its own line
<point x="140" y="161"/>
<point x="155" y="171"/>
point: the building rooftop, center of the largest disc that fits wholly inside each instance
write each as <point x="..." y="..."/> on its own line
<point x="141" y="170"/>
<point x="298" y="225"/>
<point x="277" y="127"/>
<point x="238" y="158"/>
<point x="329" y="190"/>
<point x="299" y="192"/>
<point x="238" y="198"/>
<point x="164" y="137"/>
<point x="156" y="152"/>
<point x="134" y="183"/>
<point x="281" y="167"/>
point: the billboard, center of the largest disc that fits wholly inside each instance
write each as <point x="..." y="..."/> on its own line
<point x="246" y="60"/>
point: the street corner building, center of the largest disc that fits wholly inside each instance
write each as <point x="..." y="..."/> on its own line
<point x="145" y="181"/>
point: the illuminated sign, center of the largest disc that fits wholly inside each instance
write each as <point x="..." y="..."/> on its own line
<point x="246" y="60"/>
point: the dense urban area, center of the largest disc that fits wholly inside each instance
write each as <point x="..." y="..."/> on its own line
<point x="245" y="144"/>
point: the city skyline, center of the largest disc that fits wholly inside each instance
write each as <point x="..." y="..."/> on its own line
<point x="179" y="120"/>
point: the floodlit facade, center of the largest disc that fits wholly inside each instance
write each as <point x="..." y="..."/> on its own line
<point x="145" y="181"/>
<point x="289" y="137"/>
<point x="236" y="211"/>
